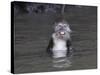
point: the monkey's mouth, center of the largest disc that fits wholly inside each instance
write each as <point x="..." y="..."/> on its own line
<point x="62" y="33"/>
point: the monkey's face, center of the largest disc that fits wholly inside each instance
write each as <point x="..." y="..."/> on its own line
<point x="61" y="35"/>
<point x="62" y="28"/>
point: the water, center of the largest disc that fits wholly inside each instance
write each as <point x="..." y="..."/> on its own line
<point x="32" y="35"/>
<point x="62" y="62"/>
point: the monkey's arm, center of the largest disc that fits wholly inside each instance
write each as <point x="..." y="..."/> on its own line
<point x="69" y="43"/>
<point x="69" y="49"/>
<point x="50" y="46"/>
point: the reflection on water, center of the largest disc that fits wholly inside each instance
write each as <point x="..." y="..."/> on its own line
<point x="60" y="60"/>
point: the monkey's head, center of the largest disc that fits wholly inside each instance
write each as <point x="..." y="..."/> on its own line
<point x="62" y="29"/>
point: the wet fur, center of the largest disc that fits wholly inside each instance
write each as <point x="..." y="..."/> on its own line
<point x="50" y="46"/>
<point x="68" y="40"/>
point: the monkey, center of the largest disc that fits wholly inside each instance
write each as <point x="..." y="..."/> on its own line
<point x="60" y="42"/>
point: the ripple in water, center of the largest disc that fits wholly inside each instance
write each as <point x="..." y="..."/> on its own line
<point x="61" y="62"/>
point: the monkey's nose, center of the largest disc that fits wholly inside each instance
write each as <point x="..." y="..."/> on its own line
<point x="61" y="28"/>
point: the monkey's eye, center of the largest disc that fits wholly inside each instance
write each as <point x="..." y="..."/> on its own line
<point x="60" y="25"/>
<point x="65" y="26"/>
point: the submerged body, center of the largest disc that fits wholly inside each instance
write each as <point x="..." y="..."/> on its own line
<point x="59" y="48"/>
<point x="60" y="43"/>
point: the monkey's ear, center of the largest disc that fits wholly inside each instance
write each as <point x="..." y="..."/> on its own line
<point x="54" y="26"/>
<point x="69" y="30"/>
